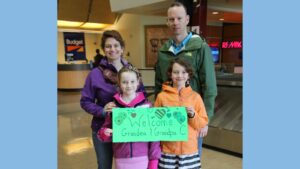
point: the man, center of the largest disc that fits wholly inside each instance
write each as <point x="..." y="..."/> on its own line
<point x="193" y="49"/>
<point x="97" y="58"/>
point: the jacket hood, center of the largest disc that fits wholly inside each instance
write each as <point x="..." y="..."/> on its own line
<point x="195" y="43"/>
<point x="139" y="98"/>
<point x="104" y="62"/>
<point x="172" y="90"/>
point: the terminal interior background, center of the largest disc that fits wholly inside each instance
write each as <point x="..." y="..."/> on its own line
<point x="223" y="146"/>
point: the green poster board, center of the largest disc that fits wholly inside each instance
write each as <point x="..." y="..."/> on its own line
<point x="150" y="124"/>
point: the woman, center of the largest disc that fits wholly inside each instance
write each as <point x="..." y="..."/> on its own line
<point x="99" y="89"/>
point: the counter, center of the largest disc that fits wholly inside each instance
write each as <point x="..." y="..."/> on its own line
<point x="72" y="76"/>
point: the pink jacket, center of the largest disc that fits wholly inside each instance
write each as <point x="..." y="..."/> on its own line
<point x="132" y="149"/>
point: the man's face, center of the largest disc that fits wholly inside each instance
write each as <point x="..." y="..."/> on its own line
<point x="177" y="20"/>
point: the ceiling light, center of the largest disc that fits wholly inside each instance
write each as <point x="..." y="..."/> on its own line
<point x="215" y="13"/>
<point x="90" y="25"/>
<point x="62" y="23"/>
<point x="79" y="25"/>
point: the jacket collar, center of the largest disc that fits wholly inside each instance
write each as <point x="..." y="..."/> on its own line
<point x="104" y="63"/>
<point x="177" y="48"/>
<point x="172" y="90"/>
<point x="139" y="98"/>
<point x="194" y="43"/>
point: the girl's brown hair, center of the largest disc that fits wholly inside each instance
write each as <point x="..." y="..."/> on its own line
<point x="186" y="65"/>
<point x="129" y="68"/>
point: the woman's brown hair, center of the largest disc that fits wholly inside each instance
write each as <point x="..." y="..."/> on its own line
<point x="112" y="34"/>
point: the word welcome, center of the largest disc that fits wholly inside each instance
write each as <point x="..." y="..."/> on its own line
<point x="150" y="124"/>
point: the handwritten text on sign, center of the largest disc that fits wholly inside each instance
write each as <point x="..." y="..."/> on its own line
<point x="150" y="124"/>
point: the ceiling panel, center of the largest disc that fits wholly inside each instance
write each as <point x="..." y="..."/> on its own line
<point x="99" y="11"/>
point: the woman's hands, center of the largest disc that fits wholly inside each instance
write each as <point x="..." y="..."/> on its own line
<point x="109" y="106"/>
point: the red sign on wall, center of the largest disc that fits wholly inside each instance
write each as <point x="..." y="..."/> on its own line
<point x="213" y="44"/>
<point x="231" y="44"/>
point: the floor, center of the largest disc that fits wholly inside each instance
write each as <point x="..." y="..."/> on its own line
<point x="75" y="147"/>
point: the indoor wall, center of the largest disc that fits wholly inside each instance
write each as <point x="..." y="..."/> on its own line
<point x="131" y="28"/>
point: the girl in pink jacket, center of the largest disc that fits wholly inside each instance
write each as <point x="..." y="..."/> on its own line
<point x="135" y="155"/>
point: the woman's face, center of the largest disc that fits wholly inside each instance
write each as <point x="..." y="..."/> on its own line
<point x="179" y="75"/>
<point x="113" y="49"/>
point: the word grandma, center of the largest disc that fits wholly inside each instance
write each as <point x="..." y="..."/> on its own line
<point x="126" y="133"/>
<point x="74" y="42"/>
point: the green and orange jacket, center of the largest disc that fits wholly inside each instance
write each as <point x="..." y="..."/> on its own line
<point x="170" y="97"/>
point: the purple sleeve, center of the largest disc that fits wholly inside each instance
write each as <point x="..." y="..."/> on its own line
<point x="154" y="150"/>
<point x="87" y="101"/>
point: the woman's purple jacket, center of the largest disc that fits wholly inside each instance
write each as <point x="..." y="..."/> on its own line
<point x="97" y="92"/>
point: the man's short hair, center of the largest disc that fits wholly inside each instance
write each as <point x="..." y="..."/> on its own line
<point x="178" y="4"/>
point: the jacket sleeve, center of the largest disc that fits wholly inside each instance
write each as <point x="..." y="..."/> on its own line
<point x="200" y="119"/>
<point x="154" y="150"/>
<point x="158" y="102"/>
<point x="153" y="164"/>
<point x="107" y="124"/>
<point x="158" y="79"/>
<point x="208" y="80"/>
<point x="87" y="101"/>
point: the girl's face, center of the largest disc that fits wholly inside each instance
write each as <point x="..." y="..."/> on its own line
<point x="128" y="83"/>
<point x="113" y="49"/>
<point x="179" y="75"/>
